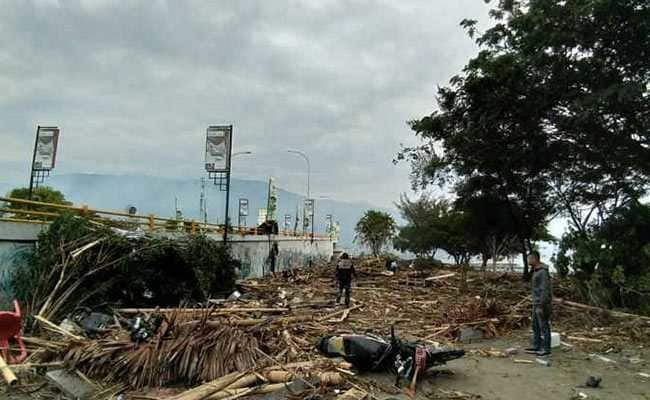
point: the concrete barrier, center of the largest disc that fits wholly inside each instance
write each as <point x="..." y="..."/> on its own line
<point x="258" y="254"/>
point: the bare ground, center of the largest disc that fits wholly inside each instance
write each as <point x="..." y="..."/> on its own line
<point x="495" y="378"/>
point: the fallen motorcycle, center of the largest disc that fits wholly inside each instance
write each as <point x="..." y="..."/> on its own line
<point x="374" y="353"/>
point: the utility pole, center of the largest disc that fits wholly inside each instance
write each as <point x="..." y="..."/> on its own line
<point x="31" y="174"/>
<point x="203" y="207"/>
<point x="229" y="161"/>
<point x="218" y="157"/>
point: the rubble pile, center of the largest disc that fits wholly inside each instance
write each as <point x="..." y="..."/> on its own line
<point x="264" y="339"/>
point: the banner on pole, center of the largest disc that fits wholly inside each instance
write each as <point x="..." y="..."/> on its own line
<point x="261" y="216"/>
<point x="307" y="219"/>
<point x="47" y="139"/>
<point x="243" y="207"/>
<point x="217" y="148"/>
<point x="272" y="202"/>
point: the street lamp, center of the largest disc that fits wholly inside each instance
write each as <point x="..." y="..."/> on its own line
<point x="303" y="155"/>
<point x="233" y="155"/>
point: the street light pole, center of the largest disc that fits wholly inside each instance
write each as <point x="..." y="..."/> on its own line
<point x="225" y="231"/>
<point x="303" y="155"/>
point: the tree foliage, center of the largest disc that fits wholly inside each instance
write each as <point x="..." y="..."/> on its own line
<point x="611" y="262"/>
<point x="490" y="226"/>
<point x="114" y="270"/>
<point x="435" y="224"/>
<point x="375" y="230"/>
<point x="44" y="194"/>
<point x="552" y="116"/>
<point x="421" y="235"/>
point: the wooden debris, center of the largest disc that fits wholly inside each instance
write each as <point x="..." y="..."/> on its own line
<point x="437" y="278"/>
<point x="493" y="304"/>
<point x="330" y="378"/>
<point x="584" y="339"/>
<point x="57" y="329"/>
<point x="7" y="373"/>
<point x="343" y="317"/>
<point x="603" y="358"/>
<point x="71" y="384"/>
<point x="207" y="389"/>
<point x="264" y="389"/>
<point x="353" y="394"/>
<point x="334" y="314"/>
<point x="213" y="311"/>
<point x="613" y="313"/>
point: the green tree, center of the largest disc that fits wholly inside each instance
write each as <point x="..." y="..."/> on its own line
<point x="375" y="230"/>
<point x="44" y="194"/>
<point x="489" y="224"/>
<point x="422" y="233"/>
<point x="456" y="239"/>
<point x="552" y="115"/>
<point x="611" y="262"/>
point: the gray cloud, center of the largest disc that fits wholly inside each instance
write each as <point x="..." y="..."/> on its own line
<point x="133" y="85"/>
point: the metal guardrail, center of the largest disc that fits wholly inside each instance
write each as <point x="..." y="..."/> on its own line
<point x="150" y="223"/>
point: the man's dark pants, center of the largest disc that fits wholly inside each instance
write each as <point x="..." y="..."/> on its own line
<point x="344" y="284"/>
<point x="542" y="327"/>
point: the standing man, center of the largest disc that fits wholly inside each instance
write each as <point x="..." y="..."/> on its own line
<point x="542" y="306"/>
<point x="344" y="272"/>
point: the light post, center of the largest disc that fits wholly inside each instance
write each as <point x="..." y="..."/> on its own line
<point x="239" y="212"/>
<point x="303" y="155"/>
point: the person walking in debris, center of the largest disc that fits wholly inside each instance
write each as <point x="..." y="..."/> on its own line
<point x="393" y="266"/>
<point x="542" y="296"/>
<point x="344" y="272"/>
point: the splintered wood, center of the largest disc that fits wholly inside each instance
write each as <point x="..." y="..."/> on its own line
<point x="268" y="337"/>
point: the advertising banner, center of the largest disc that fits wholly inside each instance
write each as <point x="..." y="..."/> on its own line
<point x="217" y="148"/>
<point x="243" y="207"/>
<point x="261" y="216"/>
<point x="47" y="139"/>
<point x="309" y="213"/>
<point x="272" y="203"/>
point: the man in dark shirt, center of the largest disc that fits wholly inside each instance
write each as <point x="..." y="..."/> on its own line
<point x="542" y="296"/>
<point x="344" y="272"/>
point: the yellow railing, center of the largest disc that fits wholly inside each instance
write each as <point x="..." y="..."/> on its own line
<point x="150" y="223"/>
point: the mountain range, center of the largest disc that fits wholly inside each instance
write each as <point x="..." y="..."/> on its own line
<point x="157" y="195"/>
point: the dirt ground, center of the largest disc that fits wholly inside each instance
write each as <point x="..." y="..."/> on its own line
<point x="494" y="378"/>
<point x="501" y="378"/>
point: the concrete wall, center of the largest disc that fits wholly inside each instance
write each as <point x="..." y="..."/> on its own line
<point x="254" y="252"/>
<point x="12" y="255"/>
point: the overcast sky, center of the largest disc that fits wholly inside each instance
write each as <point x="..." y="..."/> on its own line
<point x="134" y="84"/>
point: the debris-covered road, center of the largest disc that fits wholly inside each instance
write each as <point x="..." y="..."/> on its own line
<point x="268" y="335"/>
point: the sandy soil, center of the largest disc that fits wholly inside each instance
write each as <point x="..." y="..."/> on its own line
<point x="494" y="378"/>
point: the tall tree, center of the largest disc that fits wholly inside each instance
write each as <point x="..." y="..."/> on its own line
<point x="552" y="114"/>
<point x="422" y="234"/>
<point x="375" y="230"/>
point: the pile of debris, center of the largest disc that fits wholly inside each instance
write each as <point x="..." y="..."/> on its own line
<point x="265" y="338"/>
